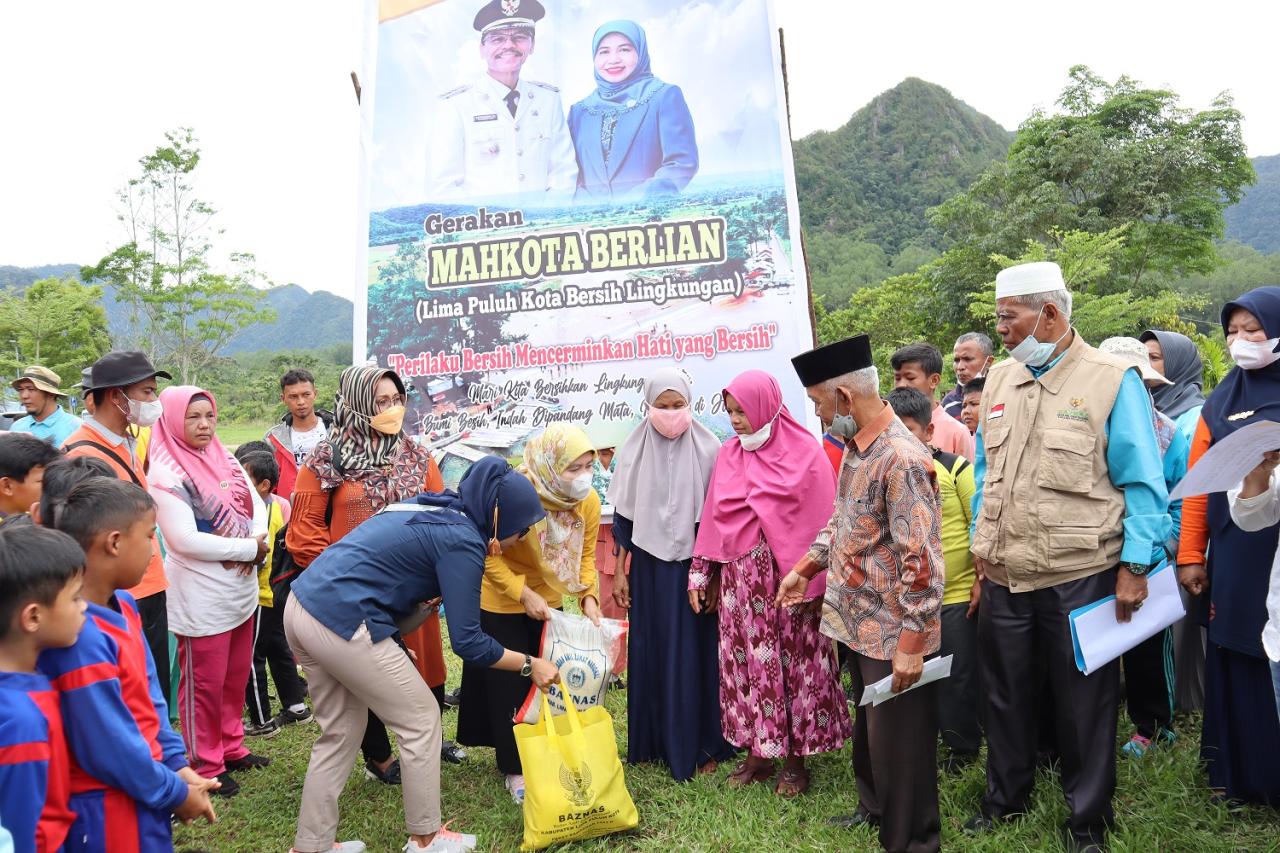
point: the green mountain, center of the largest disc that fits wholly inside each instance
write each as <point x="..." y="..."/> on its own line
<point x="865" y="188"/>
<point x="304" y="320"/>
<point x="1256" y="219"/>
<point x="911" y="148"/>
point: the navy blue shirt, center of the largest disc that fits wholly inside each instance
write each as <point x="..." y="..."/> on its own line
<point x="385" y="567"/>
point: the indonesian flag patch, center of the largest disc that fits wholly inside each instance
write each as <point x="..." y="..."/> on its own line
<point x="997" y="411"/>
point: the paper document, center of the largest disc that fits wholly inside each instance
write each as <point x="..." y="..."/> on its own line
<point x="882" y="690"/>
<point x="1225" y="464"/>
<point x="1099" y="638"/>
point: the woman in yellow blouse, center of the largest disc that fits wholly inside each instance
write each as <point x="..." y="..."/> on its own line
<point x="522" y="585"/>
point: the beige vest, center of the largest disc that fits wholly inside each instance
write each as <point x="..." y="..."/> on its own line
<point x="1050" y="513"/>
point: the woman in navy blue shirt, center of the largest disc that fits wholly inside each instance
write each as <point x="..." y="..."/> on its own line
<point x="634" y="134"/>
<point x="341" y="622"/>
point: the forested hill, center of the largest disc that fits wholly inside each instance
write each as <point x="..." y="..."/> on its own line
<point x="911" y="148"/>
<point x="303" y="320"/>
<point x="865" y="188"/>
<point x="1256" y="219"/>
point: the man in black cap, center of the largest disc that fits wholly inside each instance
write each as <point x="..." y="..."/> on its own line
<point x="882" y="553"/>
<point x="499" y="134"/>
<point x="122" y="386"/>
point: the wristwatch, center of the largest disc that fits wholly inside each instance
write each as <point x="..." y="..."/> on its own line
<point x="527" y="669"/>
<point x="1139" y="569"/>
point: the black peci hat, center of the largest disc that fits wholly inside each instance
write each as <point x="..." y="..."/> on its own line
<point x="817" y="366"/>
<point x="118" y="369"/>
<point x="508" y="13"/>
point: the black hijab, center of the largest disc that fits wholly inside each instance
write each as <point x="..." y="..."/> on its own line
<point x="1182" y="367"/>
<point x="1248" y="396"/>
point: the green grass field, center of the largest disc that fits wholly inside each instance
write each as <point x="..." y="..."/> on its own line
<point x="1161" y="805"/>
<point x="234" y="435"/>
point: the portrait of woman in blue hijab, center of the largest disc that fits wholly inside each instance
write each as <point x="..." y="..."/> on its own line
<point x="633" y="135"/>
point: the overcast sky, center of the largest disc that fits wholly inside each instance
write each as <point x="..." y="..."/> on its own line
<point x="89" y="87"/>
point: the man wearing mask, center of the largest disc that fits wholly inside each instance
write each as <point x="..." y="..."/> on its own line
<point x="122" y="386"/>
<point x="971" y="357"/>
<point x="882" y="551"/>
<point x="1070" y="507"/>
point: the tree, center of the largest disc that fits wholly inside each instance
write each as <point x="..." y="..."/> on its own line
<point x="185" y="309"/>
<point x="57" y="322"/>
<point x="1114" y="155"/>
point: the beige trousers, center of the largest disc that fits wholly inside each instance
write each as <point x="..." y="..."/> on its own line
<point x="347" y="678"/>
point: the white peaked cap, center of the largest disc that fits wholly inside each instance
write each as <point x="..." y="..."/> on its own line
<point x="1025" y="279"/>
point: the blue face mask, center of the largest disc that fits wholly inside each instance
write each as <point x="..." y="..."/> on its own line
<point x="1031" y="351"/>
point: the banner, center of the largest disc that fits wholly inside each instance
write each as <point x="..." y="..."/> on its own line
<point x="566" y="195"/>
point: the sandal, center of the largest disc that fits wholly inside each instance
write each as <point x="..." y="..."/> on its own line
<point x="746" y="774"/>
<point x="792" y="783"/>
<point x="710" y="767"/>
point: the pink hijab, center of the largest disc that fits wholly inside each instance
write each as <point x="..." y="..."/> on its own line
<point x="785" y="490"/>
<point x="212" y="481"/>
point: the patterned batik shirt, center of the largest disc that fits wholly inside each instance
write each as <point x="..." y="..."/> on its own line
<point x="883" y="546"/>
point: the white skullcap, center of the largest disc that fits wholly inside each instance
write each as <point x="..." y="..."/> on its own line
<point x="1026" y="279"/>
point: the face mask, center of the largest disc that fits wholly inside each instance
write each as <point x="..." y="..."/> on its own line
<point x="1031" y="352"/>
<point x="1254" y="355"/>
<point x="388" y="422"/>
<point x="671" y="423"/>
<point x="843" y="426"/>
<point x="143" y="414"/>
<point x="757" y="439"/>
<point x="577" y="488"/>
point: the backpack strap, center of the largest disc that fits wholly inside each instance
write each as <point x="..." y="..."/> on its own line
<point x="107" y="450"/>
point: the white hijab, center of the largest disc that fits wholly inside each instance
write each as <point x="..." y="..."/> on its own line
<point x="661" y="483"/>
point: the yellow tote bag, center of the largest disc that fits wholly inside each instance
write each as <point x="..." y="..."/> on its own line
<point x="573" y="782"/>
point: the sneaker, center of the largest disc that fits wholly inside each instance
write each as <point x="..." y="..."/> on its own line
<point x="451" y="753"/>
<point x="270" y="728"/>
<point x="288" y="718"/>
<point x="342" y="847"/>
<point x="454" y="699"/>
<point x="515" y="787"/>
<point x="390" y="776"/>
<point x="445" y="841"/>
<point x="248" y="762"/>
<point x="229" y="788"/>
<point x="1137" y="746"/>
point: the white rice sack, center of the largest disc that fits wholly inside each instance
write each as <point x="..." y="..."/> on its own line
<point x="586" y="656"/>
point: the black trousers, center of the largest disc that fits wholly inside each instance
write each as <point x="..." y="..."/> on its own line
<point x="1020" y="636"/>
<point x="958" y="700"/>
<point x="491" y="697"/>
<point x="154" y="613"/>
<point x="1148" y="683"/>
<point x="271" y="648"/>
<point x="895" y="761"/>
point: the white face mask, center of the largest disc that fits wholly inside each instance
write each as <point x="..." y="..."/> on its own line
<point x="757" y="439"/>
<point x="578" y="488"/>
<point x="1031" y="351"/>
<point x="1254" y="355"/>
<point x="143" y="414"/>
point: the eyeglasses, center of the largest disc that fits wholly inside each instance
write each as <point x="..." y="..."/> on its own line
<point x="517" y="39"/>
<point x="381" y="404"/>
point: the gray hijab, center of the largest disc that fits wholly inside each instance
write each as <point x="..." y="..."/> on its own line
<point x="660" y="483"/>
<point x="1182" y="367"/>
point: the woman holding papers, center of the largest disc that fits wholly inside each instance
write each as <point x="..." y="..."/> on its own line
<point x="1241" y="736"/>
<point x="1256" y="506"/>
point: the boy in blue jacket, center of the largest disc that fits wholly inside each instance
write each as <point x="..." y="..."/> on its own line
<point x="128" y="769"/>
<point x="40" y="608"/>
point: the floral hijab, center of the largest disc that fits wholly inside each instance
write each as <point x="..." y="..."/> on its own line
<point x="546" y="456"/>
<point x="391" y="467"/>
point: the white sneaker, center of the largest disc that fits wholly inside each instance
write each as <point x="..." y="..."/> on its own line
<point x="446" y="841"/>
<point x="343" y="847"/>
<point x="515" y="787"/>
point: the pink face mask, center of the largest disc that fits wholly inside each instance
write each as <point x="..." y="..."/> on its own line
<point x="671" y="422"/>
